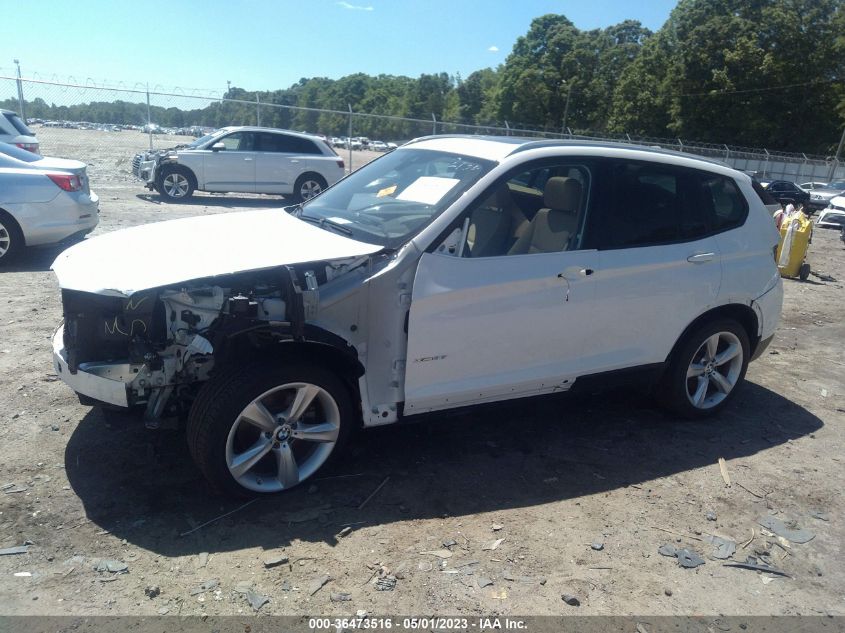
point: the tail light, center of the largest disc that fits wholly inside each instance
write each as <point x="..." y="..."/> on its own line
<point x="30" y="147"/>
<point x="340" y="163"/>
<point x="66" y="182"/>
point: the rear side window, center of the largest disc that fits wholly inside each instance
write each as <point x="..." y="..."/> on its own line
<point x="645" y="206"/>
<point x="18" y="124"/>
<point x="295" y="145"/>
<point x="723" y="201"/>
<point x="20" y="154"/>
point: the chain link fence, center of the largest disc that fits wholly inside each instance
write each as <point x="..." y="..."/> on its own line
<point x="105" y="125"/>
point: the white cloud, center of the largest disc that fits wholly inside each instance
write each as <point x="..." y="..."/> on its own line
<point x="493" y="49"/>
<point x="354" y="7"/>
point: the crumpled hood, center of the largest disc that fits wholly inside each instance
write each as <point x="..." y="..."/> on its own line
<point x="164" y="253"/>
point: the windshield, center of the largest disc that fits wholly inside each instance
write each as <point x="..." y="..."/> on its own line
<point x="392" y="198"/>
<point x="18" y="124"/>
<point x="203" y="139"/>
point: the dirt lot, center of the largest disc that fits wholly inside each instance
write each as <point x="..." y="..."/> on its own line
<point x="545" y="479"/>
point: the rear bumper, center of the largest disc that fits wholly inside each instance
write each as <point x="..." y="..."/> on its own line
<point x="768" y="308"/>
<point x="106" y="382"/>
<point x="67" y="215"/>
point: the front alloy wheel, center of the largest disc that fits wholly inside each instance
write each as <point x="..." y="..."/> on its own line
<point x="175" y="184"/>
<point x="282" y="437"/>
<point x="267" y="428"/>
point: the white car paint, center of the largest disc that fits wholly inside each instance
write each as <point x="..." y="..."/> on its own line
<point x="481" y="329"/>
<point x="197" y="247"/>
<point x="834" y="215"/>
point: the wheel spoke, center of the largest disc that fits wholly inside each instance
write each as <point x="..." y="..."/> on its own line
<point x="288" y="471"/>
<point x="695" y="369"/>
<point x="258" y="415"/>
<point x="242" y="462"/>
<point x="730" y="353"/>
<point x="721" y="383"/>
<point x="700" y="391"/>
<point x="303" y="399"/>
<point x="712" y="347"/>
<point x="325" y="432"/>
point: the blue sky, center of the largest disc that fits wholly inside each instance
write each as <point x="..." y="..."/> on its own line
<point x="268" y="44"/>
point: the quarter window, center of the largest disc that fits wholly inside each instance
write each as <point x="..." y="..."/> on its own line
<point x="723" y="201"/>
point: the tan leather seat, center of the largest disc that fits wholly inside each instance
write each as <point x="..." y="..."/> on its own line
<point x="495" y="225"/>
<point x="554" y="225"/>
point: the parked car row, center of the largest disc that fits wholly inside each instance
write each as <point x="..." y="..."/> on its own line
<point x="42" y="201"/>
<point x="815" y="196"/>
<point x="361" y="142"/>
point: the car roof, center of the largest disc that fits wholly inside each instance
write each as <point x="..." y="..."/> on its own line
<point x="255" y="128"/>
<point x="500" y="147"/>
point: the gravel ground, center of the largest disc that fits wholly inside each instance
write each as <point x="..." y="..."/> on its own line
<point x="491" y="512"/>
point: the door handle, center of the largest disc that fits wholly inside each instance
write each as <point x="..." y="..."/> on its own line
<point x="575" y="270"/>
<point x="700" y="258"/>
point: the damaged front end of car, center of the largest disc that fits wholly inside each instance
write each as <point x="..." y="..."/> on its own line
<point x="145" y="165"/>
<point x="153" y="350"/>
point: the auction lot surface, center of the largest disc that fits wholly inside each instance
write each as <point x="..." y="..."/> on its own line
<point x="492" y="512"/>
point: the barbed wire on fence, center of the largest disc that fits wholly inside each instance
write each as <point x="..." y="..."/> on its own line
<point x="181" y="109"/>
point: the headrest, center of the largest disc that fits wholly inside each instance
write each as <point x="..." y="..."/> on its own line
<point x="562" y="194"/>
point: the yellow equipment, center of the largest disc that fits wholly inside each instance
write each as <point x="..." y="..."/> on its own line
<point x="796" y="233"/>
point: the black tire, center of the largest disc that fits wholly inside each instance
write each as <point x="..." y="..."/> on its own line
<point x="175" y="183"/>
<point x="220" y="404"/>
<point x="674" y="389"/>
<point x="11" y="238"/>
<point x="307" y="186"/>
<point x="804" y="272"/>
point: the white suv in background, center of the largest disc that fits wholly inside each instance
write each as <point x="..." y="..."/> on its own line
<point x="450" y="272"/>
<point x="15" y="132"/>
<point x="242" y="160"/>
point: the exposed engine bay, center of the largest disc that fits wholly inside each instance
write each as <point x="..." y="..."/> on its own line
<point x="169" y="339"/>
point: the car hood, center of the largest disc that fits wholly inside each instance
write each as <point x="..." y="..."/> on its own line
<point x="165" y="253"/>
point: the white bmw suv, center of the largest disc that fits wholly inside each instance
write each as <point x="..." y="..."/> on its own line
<point x="242" y="160"/>
<point x="451" y="272"/>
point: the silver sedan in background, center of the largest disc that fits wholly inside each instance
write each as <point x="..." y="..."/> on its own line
<point x="43" y="200"/>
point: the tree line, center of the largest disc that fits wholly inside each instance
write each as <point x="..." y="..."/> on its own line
<point x="759" y="73"/>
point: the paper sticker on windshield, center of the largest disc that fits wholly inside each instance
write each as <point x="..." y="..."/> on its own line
<point x="386" y="191"/>
<point x="427" y="189"/>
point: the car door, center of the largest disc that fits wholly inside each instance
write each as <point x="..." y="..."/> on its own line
<point x="503" y="324"/>
<point x="658" y="265"/>
<point x="231" y="168"/>
<point x="281" y="159"/>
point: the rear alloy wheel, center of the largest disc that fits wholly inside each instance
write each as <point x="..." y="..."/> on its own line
<point x="706" y="370"/>
<point x="11" y="238"/>
<point x="176" y="184"/>
<point x="307" y="186"/>
<point x="266" y="429"/>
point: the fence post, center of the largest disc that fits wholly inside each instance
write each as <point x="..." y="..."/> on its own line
<point x="433" y="124"/>
<point x="803" y="166"/>
<point x="681" y="145"/>
<point x="349" y="136"/>
<point x="507" y="128"/>
<point x="20" y="92"/>
<point x="766" y="163"/>
<point x="727" y="153"/>
<point x="628" y="136"/>
<point x="835" y="163"/>
<point x="149" y="121"/>
<point x="257" y="110"/>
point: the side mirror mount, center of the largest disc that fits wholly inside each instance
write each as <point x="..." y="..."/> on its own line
<point x="218" y="146"/>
